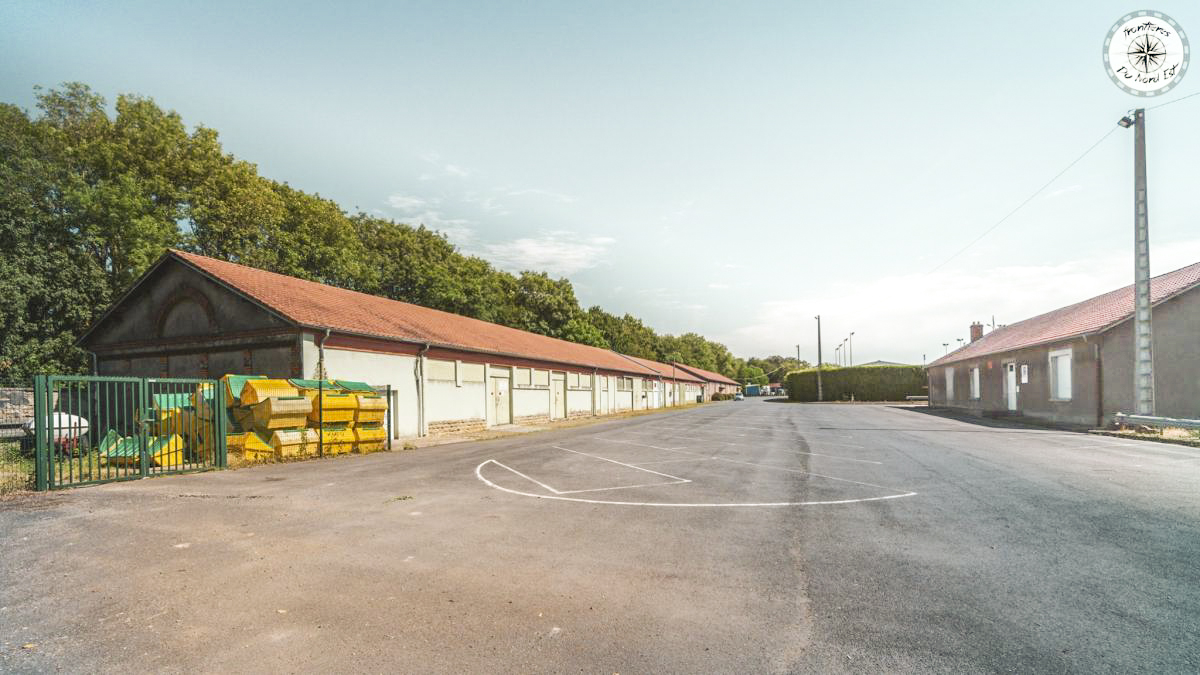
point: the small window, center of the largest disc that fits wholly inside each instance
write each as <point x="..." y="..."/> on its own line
<point x="975" y="384"/>
<point x="1060" y="375"/>
<point x="949" y="384"/>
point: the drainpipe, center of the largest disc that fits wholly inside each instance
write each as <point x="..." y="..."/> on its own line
<point x="321" y="356"/>
<point x="420" y="367"/>
<point x="95" y="365"/>
<point x="1099" y="387"/>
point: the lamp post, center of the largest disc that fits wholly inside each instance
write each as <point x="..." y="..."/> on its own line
<point x="851" y="339"/>
<point x="947" y="346"/>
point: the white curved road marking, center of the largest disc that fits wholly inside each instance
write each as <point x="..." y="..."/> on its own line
<point x="479" y="475"/>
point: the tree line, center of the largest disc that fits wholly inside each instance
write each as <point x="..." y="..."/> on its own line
<point x="89" y="200"/>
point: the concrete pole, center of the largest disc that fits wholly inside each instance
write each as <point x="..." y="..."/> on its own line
<point x="820" y="392"/>
<point x="851" y="339"/>
<point x="1143" y="382"/>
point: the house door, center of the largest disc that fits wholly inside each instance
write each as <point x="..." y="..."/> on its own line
<point x="1010" y="385"/>
<point x="501" y="400"/>
<point x="558" y="394"/>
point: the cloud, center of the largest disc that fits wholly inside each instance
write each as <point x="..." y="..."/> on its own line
<point x="1063" y="191"/>
<point x="557" y="196"/>
<point x="718" y="287"/>
<point x="405" y="203"/>
<point x="903" y="317"/>
<point x="557" y="253"/>
<point x="456" y="170"/>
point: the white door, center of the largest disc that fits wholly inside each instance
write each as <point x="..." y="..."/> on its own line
<point x="558" y="396"/>
<point x="501" y="402"/>
<point x="1010" y="385"/>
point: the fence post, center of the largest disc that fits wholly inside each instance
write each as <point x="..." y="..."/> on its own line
<point x="143" y="420"/>
<point x="222" y="450"/>
<point x="41" y="461"/>
<point x="389" y="417"/>
<point x="321" y="415"/>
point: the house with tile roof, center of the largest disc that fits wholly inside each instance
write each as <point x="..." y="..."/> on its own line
<point x="194" y="316"/>
<point x="714" y="383"/>
<point x="1075" y="364"/>
<point x="673" y="386"/>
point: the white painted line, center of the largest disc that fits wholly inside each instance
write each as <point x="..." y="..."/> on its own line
<point x="613" y="440"/>
<point x="479" y="475"/>
<point x="525" y="477"/>
<point x="638" y="468"/>
<point x="681" y="459"/>
<point x="846" y="459"/>
<point x="625" y="487"/>
<point x="819" y="475"/>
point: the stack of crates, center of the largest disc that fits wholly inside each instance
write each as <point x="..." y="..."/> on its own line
<point x="269" y="418"/>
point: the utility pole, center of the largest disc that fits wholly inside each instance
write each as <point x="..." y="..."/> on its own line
<point x="851" y="338"/>
<point x="1143" y="342"/>
<point x="820" y="392"/>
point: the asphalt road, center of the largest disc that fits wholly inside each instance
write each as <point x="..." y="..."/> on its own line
<point x="735" y="537"/>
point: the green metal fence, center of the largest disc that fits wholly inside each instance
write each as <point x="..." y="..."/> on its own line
<point x="91" y="430"/>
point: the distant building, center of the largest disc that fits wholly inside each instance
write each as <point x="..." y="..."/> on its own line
<point x="1075" y="364"/>
<point x="883" y="363"/>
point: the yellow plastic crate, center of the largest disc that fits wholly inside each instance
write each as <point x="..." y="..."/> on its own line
<point x="234" y="385"/>
<point x="369" y="439"/>
<point x="163" y="451"/>
<point x="252" y="446"/>
<point x="337" y="441"/>
<point x="257" y="391"/>
<point x="281" y="413"/>
<point x="294" y="442"/>
<point x="371" y="410"/>
<point x="339" y="409"/>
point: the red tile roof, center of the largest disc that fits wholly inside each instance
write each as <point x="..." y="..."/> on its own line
<point x="1083" y="318"/>
<point x="708" y="375"/>
<point x="665" y="369"/>
<point x="316" y="305"/>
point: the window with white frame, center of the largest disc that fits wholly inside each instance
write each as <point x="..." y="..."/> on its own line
<point x="975" y="384"/>
<point x="949" y="384"/>
<point x="1060" y="375"/>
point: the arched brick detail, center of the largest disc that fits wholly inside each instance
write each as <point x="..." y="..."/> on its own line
<point x="187" y="294"/>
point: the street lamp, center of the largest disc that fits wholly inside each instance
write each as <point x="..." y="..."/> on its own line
<point x="947" y="346"/>
<point x="851" y="338"/>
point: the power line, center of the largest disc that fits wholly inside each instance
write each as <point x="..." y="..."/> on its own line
<point x="1048" y="184"/>
<point x="1030" y="198"/>
<point x="1181" y="98"/>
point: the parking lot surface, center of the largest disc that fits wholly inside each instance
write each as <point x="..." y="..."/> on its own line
<point x="736" y="537"/>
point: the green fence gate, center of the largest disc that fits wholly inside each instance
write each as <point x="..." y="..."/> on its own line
<point x="91" y="430"/>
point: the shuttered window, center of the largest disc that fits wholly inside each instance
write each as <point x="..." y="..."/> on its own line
<point x="949" y="384"/>
<point x="1060" y="375"/>
<point x="975" y="384"/>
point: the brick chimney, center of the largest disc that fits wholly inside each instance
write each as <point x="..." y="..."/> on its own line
<point x="976" y="331"/>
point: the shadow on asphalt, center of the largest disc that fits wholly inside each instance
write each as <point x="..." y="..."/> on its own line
<point x="1023" y="424"/>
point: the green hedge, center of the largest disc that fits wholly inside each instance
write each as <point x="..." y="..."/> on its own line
<point x="863" y="383"/>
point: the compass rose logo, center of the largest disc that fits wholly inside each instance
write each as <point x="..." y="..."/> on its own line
<point x="1146" y="53"/>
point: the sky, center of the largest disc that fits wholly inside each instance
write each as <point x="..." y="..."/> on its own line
<point x="732" y="169"/>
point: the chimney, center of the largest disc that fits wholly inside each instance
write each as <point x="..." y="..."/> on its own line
<point x="976" y="331"/>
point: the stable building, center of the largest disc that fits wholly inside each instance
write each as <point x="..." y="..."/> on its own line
<point x="1075" y="365"/>
<point x="194" y="316"/>
<point x="714" y="383"/>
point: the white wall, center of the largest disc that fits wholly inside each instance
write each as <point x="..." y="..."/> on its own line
<point x="579" y="400"/>
<point x="528" y="402"/>
<point x="445" y="401"/>
<point x="454" y="391"/>
<point x="457" y="391"/>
